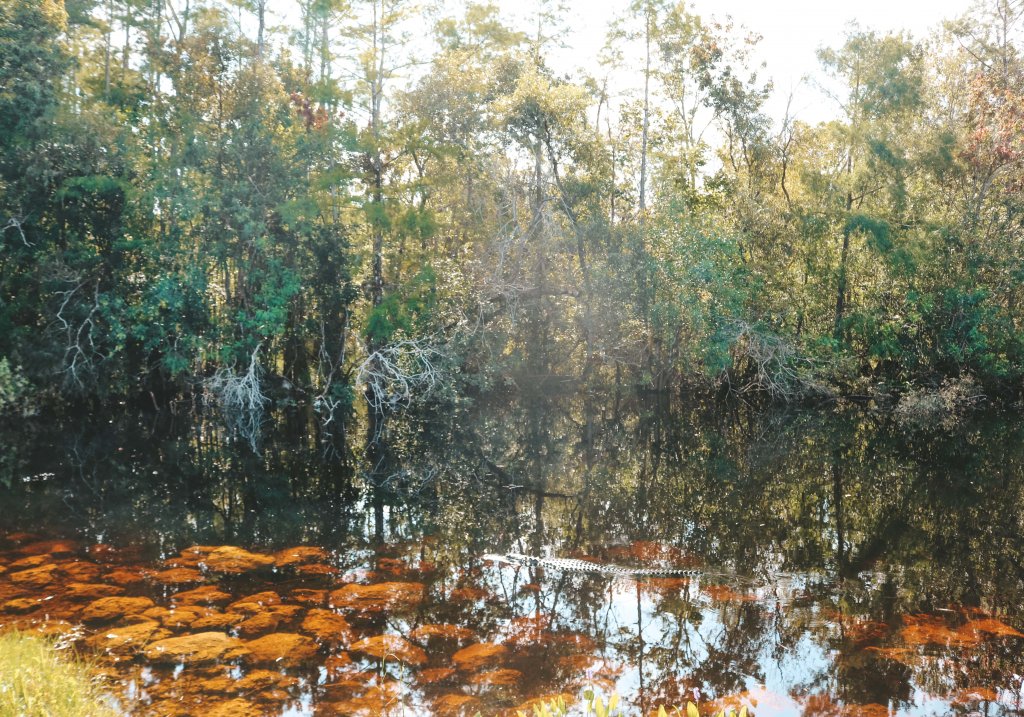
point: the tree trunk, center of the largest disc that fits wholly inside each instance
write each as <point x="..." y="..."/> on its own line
<point x="611" y="143"/>
<point x="647" y="116"/>
<point x="837" y="332"/>
<point x="261" y="10"/>
<point x="325" y="51"/>
<point x="840" y="514"/>
<point x="107" y="50"/>
<point x="377" y="90"/>
<point x="125" y="51"/>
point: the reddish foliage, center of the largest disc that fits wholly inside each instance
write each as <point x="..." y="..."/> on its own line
<point x="313" y="117"/>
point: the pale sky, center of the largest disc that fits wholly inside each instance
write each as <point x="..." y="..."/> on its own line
<point x="792" y="32"/>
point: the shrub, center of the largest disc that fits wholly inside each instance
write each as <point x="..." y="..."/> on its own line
<point x="13" y="386"/>
<point x="943" y="407"/>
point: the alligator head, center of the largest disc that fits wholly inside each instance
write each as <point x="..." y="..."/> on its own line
<point x="521" y="559"/>
<point x="515" y="558"/>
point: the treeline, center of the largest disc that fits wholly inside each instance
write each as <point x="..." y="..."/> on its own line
<point x="196" y="200"/>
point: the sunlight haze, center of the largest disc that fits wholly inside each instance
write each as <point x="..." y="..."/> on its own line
<point x="471" y="358"/>
<point x="792" y="31"/>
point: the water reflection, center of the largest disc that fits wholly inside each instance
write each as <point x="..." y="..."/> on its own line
<point x="849" y="570"/>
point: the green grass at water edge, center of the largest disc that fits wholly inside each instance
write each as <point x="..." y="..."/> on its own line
<point x="37" y="679"/>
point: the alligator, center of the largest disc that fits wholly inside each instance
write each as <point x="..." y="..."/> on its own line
<point x="586" y="566"/>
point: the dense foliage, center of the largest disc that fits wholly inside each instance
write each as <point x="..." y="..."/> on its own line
<point x="196" y="201"/>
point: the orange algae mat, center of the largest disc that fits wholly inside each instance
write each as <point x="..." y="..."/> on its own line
<point x="223" y="630"/>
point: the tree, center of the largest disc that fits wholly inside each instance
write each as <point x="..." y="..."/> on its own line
<point x="882" y="78"/>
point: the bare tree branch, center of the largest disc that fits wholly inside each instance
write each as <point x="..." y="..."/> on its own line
<point x="15" y="223"/>
<point x="397" y="373"/>
<point x="80" y="351"/>
<point x="240" y="397"/>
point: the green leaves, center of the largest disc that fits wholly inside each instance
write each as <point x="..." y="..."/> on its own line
<point x="14" y="386"/>
<point x="885" y="73"/>
<point x="876" y="229"/>
<point x="305" y="198"/>
<point x="404" y="310"/>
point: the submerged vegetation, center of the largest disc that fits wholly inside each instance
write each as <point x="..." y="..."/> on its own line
<point x="202" y="199"/>
<point x="37" y="680"/>
<point x="845" y="569"/>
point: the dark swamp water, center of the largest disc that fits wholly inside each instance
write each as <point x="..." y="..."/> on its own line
<point x="852" y="569"/>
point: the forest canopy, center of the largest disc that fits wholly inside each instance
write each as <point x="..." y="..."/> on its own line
<point x="197" y="202"/>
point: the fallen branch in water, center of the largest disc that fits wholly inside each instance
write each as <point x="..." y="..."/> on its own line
<point x="763" y="362"/>
<point x="240" y="397"/>
<point x="395" y="374"/>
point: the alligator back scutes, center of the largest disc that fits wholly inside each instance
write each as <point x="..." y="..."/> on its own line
<point x="585" y="566"/>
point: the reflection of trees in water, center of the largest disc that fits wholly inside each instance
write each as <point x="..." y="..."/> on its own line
<point x="759" y="492"/>
<point x="164" y="481"/>
<point x="875" y="526"/>
<point x="924" y="525"/>
<point x="733" y="486"/>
